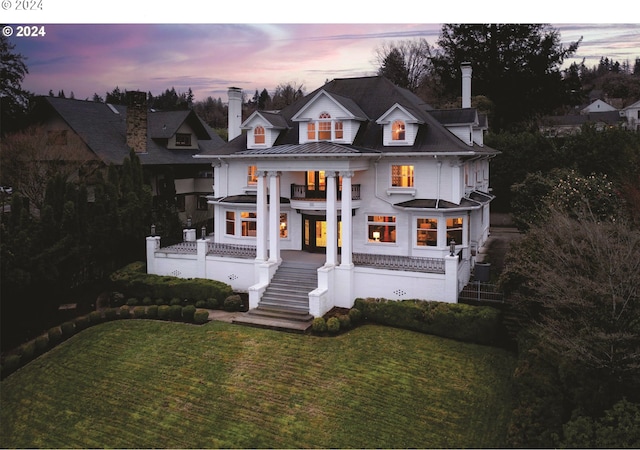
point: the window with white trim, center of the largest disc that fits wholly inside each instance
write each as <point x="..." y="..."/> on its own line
<point x="427" y="232"/>
<point x="230" y="221"/>
<point x="258" y="135"/>
<point x="252" y="175"/>
<point x="248" y="224"/>
<point x="454" y="230"/>
<point x="284" y="226"/>
<point x="381" y="229"/>
<point x="398" y="132"/>
<point x="401" y="176"/>
<point x="325" y="128"/>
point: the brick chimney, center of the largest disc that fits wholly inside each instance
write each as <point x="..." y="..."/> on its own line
<point x="235" y="112"/>
<point x="465" y="67"/>
<point x="137" y="121"/>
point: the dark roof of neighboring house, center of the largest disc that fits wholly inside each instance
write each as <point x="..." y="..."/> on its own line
<point x="608" y="117"/>
<point x="455" y="116"/>
<point x="103" y="128"/>
<point x="373" y="96"/>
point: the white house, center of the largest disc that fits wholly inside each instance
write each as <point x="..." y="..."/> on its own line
<point x="632" y="113"/>
<point x="359" y="189"/>
<point x="597" y="106"/>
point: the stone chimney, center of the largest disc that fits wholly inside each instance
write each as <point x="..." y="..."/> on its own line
<point x="235" y="112"/>
<point x="137" y="121"/>
<point x="466" y="84"/>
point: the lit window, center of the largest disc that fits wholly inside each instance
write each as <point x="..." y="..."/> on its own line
<point x="252" y="175"/>
<point x="248" y="223"/>
<point x="311" y="131"/>
<point x="397" y="131"/>
<point x="231" y="223"/>
<point x="284" y="226"/>
<point x="454" y="230"/>
<point x="258" y="135"/>
<point x="381" y="229"/>
<point x="338" y="130"/>
<point x="183" y="139"/>
<point x="324" y="127"/>
<point x="401" y="176"/>
<point x="427" y="232"/>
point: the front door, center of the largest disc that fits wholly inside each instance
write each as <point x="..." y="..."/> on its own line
<point x="314" y="234"/>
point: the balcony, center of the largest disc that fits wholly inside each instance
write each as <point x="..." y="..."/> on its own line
<point x="304" y="192"/>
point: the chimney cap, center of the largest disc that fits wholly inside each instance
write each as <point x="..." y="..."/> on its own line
<point x="465" y="63"/>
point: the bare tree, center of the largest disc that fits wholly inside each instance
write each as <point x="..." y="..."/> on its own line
<point x="416" y="57"/>
<point x="33" y="156"/>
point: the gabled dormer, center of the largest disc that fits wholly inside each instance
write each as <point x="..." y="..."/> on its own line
<point x="399" y="125"/>
<point x="329" y="117"/>
<point x="263" y="128"/>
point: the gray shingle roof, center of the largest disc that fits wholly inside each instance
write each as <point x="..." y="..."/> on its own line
<point x="103" y="128"/>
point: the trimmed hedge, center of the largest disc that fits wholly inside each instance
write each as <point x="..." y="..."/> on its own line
<point x="467" y="323"/>
<point x="134" y="282"/>
<point x="201" y="316"/>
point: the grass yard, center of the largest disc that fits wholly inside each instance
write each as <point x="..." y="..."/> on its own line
<point x="153" y="384"/>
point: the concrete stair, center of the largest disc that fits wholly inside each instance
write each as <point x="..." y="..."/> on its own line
<point x="285" y="303"/>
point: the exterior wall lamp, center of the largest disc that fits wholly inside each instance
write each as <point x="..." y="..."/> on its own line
<point x="153" y="230"/>
<point x="452" y="247"/>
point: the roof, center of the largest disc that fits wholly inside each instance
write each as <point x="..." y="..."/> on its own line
<point x="608" y="117"/>
<point x="373" y="96"/>
<point x="103" y="128"/>
<point x="459" y="116"/>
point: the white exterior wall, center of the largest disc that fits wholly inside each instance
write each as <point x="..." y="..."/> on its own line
<point x="325" y="104"/>
<point x="411" y="129"/>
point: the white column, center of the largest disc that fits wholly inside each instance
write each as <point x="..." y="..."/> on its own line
<point x="347" y="222"/>
<point x="261" y="212"/>
<point x="274" y="217"/>
<point x="332" y="220"/>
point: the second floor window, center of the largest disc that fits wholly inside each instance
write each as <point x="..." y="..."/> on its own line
<point x="398" y="131"/>
<point x="252" y="176"/>
<point x="401" y="176"/>
<point x="258" y="135"/>
<point x="324" y="129"/>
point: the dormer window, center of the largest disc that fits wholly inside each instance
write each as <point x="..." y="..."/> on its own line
<point x="258" y="135"/>
<point x="183" y="140"/>
<point x="324" y="129"/>
<point x="398" y="131"/>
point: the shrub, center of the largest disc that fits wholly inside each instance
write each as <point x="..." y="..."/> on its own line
<point x="355" y="315"/>
<point x="319" y="325"/>
<point x="68" y="328"/>
<point x="163" y="312"/>
<point x="161" y="301"/>
<point x="233" y="303"/>
<point x="134" y="282"/>
<point x="175" y="312"/>
<point x="10" y="364"/>
<point x="95" y="317"/>
<point x="132" y="301"/>
<point x="175" y="301"/>
<point x="345" y="321"/>
<point x="117" y="298"/>
<point x="110" y="314"/>
<point x="152" y="311"/>
<point x="82" y="322"/>
<point x="139" y="312"/>
<point x="147" y="301"/>
<point x="27" y="350"/>
<point x="42" y="343"/>
<point x="188" y="313"/>
<point x="124" y="312"/>
<point x="477" y="324"/>
<point x="201" y="304"/>
<point x="333" y="325"/>
<point x="55" y="335"/>
<point x="212" y="303"/>
<point x="201" y="316"/>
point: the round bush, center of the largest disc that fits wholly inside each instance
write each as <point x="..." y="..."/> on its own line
<point x="27" y="350"/>
<point x="233" y="303"/>
<point x="139" y="312"/>
<point x="117" y="298"/>
<point x="55" y="335"/>
<point x="319" y="325"/>
<point x="175" y="312"/>
<point x="68" y="328"/>
<point x="132" y="302"/>
<point x="163" y="312"/>
<point x="147" y="301"/>
<point x="152" y="311"/>
<point x="95" y="317"/>
<point x="188" y="313"/>
<point x="42" y="343"/>
<point x="10" y="364"/>
<point x="161" y="301"/>
<point x="175" y="301"/>
<point x="212" y="303"/>
<point x="345" y="321"/>
<point x="333" y="325"/>
<point x="201" y="304"/>
<point x="81" y="322"/>
<point x="355" y="315"/>
<point x="110" y="314"/>
<point x="201" y="316"/>
<point x="124" y="312"/>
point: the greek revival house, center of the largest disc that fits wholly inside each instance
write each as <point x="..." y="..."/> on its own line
<point x="360" y="189"/>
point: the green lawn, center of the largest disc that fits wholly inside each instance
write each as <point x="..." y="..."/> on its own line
<point x="146" y="384"/>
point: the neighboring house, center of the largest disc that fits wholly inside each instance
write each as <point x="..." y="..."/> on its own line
<point x="391" y="195"/>
<point x="632" y="113"/>
<point x="572" y="123"/>
<point x="597" y="106"/>
<point x="162" y="140"/>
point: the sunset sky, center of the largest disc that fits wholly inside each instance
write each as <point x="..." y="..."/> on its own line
<point x="87" y="55"/>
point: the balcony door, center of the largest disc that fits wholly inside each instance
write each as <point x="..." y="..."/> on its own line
<point x="316" y="182"/>
<point x="314" y="233"/>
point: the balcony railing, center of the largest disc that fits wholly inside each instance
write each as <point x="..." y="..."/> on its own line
<point x="302" y="192"/>
<point x="231" y="250"/>
<point x="395" y="262"/>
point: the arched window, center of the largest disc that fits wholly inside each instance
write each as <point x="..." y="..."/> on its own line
<point x="324" y="127"/>
<point x="397" y="131"/>
<point x="258" y="135"/>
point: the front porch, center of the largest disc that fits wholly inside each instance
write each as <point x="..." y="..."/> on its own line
<point x="335" y="285"/>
